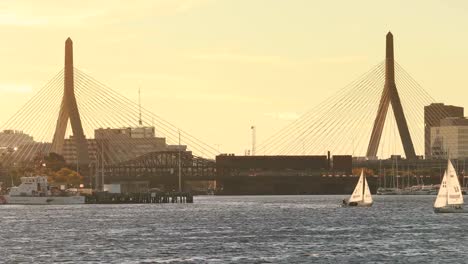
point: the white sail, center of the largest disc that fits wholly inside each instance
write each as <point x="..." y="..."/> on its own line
<point x="367" y="193"/>
<point x="357" y="195"/>
<point x="441" y="199"/>
<point x="453" y="186"/>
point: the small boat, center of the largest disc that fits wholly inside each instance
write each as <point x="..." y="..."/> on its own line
<point x="420" y="190"/>
<point x="388" y="191"/>
<point x="361" y="196"/>
<point x="36" y="190"/>
<point x="450" y="198"/>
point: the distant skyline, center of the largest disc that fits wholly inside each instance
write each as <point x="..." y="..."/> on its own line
<point x="228" y="65"/>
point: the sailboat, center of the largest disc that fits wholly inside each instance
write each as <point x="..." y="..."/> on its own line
<point x="450" y="198"/>
<point x="361" y="196"/>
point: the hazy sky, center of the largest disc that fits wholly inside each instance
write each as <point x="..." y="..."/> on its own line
<point x="216" y="67"/>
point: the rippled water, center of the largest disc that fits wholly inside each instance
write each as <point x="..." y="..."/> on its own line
<point x="242" y="229"/>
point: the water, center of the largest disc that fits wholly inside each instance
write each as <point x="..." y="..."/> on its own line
<point x="242" y="229"/>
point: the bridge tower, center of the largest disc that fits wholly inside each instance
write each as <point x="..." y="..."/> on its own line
<point x="69" y="110"/>
<point x="390" y="95"/>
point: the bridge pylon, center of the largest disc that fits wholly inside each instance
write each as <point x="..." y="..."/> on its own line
<point x="390" y="96"/>
<point x="69" y="111"/>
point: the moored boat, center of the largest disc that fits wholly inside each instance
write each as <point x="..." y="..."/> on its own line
<point x="388" y="191"/>
<point x="36" y="190"/>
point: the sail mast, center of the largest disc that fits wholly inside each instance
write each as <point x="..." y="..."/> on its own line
<point x="363" y="184"/>
<point x="447" y="194"/>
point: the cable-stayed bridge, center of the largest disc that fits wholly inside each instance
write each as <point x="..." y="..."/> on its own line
<point x="91" y="126"/>
<point x="379" y="114"/>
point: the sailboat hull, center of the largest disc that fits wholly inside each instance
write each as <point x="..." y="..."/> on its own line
<point x="356" y="204"/>
<point x="450" y="209"/>
<point x="361" y="196"/>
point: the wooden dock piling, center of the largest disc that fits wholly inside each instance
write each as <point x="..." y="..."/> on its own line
<point x="138" y="198"/>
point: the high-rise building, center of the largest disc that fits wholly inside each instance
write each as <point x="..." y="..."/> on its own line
<point x="450" y="139"/>
<point x="14" y="138"/>
<point x="433" y="114"/>
<point x="69" y="150"/>
<point x="119" y="144"/>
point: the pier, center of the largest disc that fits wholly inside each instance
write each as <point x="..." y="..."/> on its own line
<point x="139" y="198"/>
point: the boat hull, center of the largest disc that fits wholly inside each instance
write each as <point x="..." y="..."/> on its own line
<point x="354" y="204"/>
<point x="450" y="209"/>
<point x="44" y="200"/>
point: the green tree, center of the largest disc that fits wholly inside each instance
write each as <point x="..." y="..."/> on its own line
<point x="67" y="176"/>
<point x="54" y="161"/>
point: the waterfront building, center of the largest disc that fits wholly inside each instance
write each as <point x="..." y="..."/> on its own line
<point x="115" y="145"/>
<point x="14" y="138"/>
<point x="433" y="114"/>
<point x="450" y="139"/>
<point x="69" y="150"/>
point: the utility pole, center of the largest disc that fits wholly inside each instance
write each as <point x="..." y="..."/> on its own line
<point x="253" y="139"/>
<point x="102" y="164"/>
<point x="180" y="174"/>
<point x="96" y="172"/>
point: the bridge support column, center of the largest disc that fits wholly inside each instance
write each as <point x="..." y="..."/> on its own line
<point x="69" y="110"/>
<point x="390" y="96"/>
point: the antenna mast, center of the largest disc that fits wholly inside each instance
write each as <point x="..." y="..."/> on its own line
<point x="179" y="165"/>
<point x="253" y="139"/>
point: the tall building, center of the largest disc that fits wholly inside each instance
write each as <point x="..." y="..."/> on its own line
<point x="121" y="144"/>
<point x="14" y="138"/>
<point x="450" y="139"/>
<point x="433" y="114"/>
<point x="17" y="146"/>
<point x="69" y="150"/>
<point x="118" y="144"/>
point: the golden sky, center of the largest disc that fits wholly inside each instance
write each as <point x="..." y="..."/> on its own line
<point x="229" y="64"/>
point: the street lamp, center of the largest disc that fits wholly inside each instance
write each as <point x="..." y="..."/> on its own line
<point x="14" y="165"/>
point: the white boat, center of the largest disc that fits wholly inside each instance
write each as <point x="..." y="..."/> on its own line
<point x="361" y="196"/>
<point x="450" y="198"/>
<point x="36" y="190"/>
<point x="388" y="191"/>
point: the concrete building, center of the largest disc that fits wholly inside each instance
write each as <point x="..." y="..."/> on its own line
<point x="69" y="150"/>
<point x="18" y="146"/>
<point x="14" y="138"/>
<point x="142" y="132"/>
<point x="450" y="139"/>
<point x="433" y="114"/>
<point x="119" y="144"/>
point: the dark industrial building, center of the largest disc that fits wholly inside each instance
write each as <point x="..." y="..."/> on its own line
<point x="285" y="174"/>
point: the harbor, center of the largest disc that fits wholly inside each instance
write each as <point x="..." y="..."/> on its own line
<point x="36" y="190"/>
<point x="203" y="131"/>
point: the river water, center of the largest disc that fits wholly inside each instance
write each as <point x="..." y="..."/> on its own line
<point x="236" y="229"/>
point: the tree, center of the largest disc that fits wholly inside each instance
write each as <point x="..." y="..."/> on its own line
<point x="67" y="176"/>
<point x="54" y="161"/>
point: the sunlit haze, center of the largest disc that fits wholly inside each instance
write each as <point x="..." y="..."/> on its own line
<point x="215" y="68"/>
